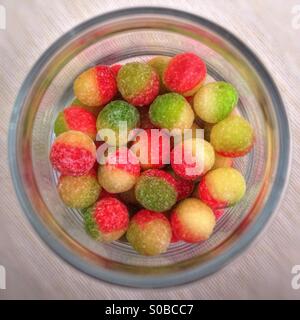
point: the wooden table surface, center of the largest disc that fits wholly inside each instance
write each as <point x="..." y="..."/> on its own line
<point x="33" y="271"/>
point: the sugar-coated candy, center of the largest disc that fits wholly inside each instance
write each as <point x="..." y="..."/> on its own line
<point x="192" y="220"/>
<point x="214" y="101"/>
<point x="138" y="83"/>
<point x="171" y="111"/>
<point x="149" y="233"/>
<point x="78" y="119"/>
<point x="114" y="116"/>
<point x="79" y="192"/>
<point x="232" y="137"/>
<point x="120" y="171"/>
<point x="95" y="86"/>
<point x="222" y="187"/>
<point x="184" y="74"/>
<point x="107" y="220"/>
<point x="73" y="153"/>
<point x="156" y="190"/>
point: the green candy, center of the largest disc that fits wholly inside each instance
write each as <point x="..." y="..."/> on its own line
<point x="214" y="101"/>
<point x="152" y="237"/>
<point x="79" y="192"/>
<point x="232" y="137"/>
<point x="133" y="78"/>
<point x="155" y="194"/>
<point x="112" y="116"/>
<point x="171" y="111"/>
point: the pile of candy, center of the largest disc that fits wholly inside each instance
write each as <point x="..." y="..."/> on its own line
<point x="153" y="201"/>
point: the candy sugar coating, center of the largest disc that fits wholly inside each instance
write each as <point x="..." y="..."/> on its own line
<point x="184" y="187"/>
<point x="113" y="116"/>
<point x="184" y="74"/>
<point x="159" y="64"/>
<point x="192" y="220"/>
<point x="192" y="158"/>
<point x="107" y="220"/>
<point x="79" y="192"/>
<point x="222" y="187"/>
<point x="171" y="111"/>
<point x="138" y="83"/>
<point x="152" y="147"/>
<point x="78" y="119"/>
<point x="232" y="137"/>
<point x="222" y="162"/>
<point x="214" y="101"/>
<point x="120" y="171"/>
<point x="156" y="190"/>
<point x="149" y="233"/>
<point x="73" y="153"/>
<point x="95" y="86"/>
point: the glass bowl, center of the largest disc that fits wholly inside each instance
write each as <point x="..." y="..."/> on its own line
<point x="138" y="34"/>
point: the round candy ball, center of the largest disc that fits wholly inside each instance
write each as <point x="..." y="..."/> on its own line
<point x="73" y="153"/>
<point x="215" y="101"/>
<point x="192" y="220"/>
<point x="192" y="158"/>
<point x="120" y="171"/>
<point x="95" y="86"/>
<point x="222" y="162"/>
<point x="184" y="74"/>
<point x="116" y="120"/>
<point x="78" y="119"/>
<point x="171" y="111"/>
<point x="152" y="147"/>
<point x="232" y="137"/>
<point x="159" y="64"/>
<point x="222" y="187"/>
<point x="149" y="233"/>
<point x="79" y="192"/>
<point x="107" y="220"/>
<point x="156" y="190"/>
<point x="138" y="83"/>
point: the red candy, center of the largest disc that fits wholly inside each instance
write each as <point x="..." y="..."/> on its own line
<point x="80" y="119"/>
<point x="110" y="215"/>
<point x="184" y="73"/>
<point x="73" y="153"/>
